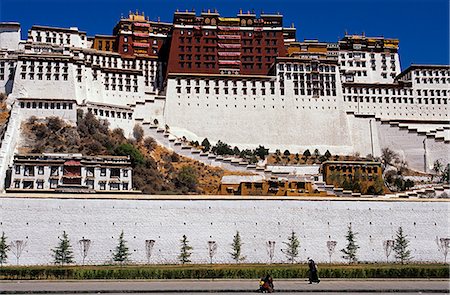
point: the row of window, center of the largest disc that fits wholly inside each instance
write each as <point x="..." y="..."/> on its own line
<point x="316" y="90"/>
<point x="432" y="73"/>
<point x="234" y="83"/>
<point x="46" y="105"/>
<point x="30" y="170"/>
<point x="242" y="33"/>
<point x="48" y="77"/>
<point x="306" y="67"/>
<point x="433" y="80"/>
<point x="363" y="55"/>
<point x="405" y="100"/>
<point x="396" y="91"/>
<point x="264" y="106"/>
<point x="233" y="91"/>
<point x="110" y="113"/>
<point x="116" y="62"/>
<point x="53" y="184"/>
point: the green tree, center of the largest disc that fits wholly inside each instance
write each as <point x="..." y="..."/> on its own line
<point x="185" y="251"/>
<point x="351" y="248"/>
<point x="221" y="148"/>
<point x="292" y="247"/>
<point x="307" y="153"/>
<point x="401" y="247"/>
<point x="4" y="248"/>
<point x="261" y="152"/>
<point x="206" y="145"/>
<point x="121" y="253"/>
<point x="316" y="153"/>
<point x="63" y="253"/>
<point x="187" y="177"/>
<point x="287" y="153"/>
<point x="236" y="151"/>
<point x="127" y="149"/>
<point x="327" y="154"/>
<point x="236" y="248"/>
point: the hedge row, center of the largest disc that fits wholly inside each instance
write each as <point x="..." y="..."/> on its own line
<point x="221" y="271"/>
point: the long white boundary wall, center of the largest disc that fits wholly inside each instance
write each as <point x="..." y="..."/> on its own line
<point x="41" y="221"/>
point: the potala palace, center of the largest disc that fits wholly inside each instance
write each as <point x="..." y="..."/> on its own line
<point x="244" y="80"/>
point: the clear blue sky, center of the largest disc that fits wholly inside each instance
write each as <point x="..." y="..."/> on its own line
<point x="421" y="25"/>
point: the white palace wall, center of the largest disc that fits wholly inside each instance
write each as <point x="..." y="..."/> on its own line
<point x="275" y="121"/>
<point x="41" y="221"/>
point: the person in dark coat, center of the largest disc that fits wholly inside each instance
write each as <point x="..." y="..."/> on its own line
<point x="313" y="276"/>
<point x="266" y="284"/>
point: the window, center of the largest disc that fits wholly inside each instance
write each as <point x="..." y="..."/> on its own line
<point x="90" y="183"/>
<point x="90" y="171"/>
<point x="40" y="184"/>
<point x="40" y="170"/>
<point x="102" y="185"/>
<point x="53" y="183"/>
<point x="17" y="169"/>
<point x="114" y="186"/>
<point x="16" y="183"/>
<point x="54" y="171"/>
<point x="125" y="172"/>
<point x="125" y="186"/>
<point x="102" y="171"/>
<point x="114" y="172"/>
<point x="29" y="171"/>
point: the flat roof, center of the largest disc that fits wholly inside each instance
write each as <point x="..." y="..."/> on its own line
<point x="73" y="29"/>
<point x="352" y="162"/>
<point x="9" y="24"/>
<point x="421" y="66"/>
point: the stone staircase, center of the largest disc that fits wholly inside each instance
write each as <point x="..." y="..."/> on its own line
<point x="177" y="145"/>
<point x="8" y="143"/>
<point x="439" y="132"/>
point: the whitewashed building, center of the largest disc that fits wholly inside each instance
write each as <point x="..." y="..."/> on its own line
<point x="70" y="173"/>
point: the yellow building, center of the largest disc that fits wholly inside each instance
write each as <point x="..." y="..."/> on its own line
<point x="256" y="185"/>
<point x="359" y="176"/>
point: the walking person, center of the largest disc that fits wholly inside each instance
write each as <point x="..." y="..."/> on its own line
<point x="313" y="275"/>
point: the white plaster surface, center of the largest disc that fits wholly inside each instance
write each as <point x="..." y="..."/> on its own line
<point x="41" y="221"/>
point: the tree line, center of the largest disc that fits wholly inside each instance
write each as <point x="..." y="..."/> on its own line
<point x="63" y="253"/>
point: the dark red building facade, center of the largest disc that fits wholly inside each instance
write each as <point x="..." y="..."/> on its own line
<point x="205" y="44"/>
<point x="212" y="44"/>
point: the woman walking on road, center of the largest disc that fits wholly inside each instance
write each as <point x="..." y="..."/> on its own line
<point x="313" y="276"/>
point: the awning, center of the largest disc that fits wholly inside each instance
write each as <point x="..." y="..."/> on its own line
<point x="232" y="37"/>
<point x="222" y="28"/>
<point x="229" y="45"/>
<point x="141" y="25"/>
<point x="138" y="44"/>
<point x="141" y="34"/>
<point x="229" y="53"/>
<point x="72" y="163"/>
<point x="229" y="62"/>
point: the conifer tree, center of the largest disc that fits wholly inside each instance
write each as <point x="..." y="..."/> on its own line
<point x="351" y="248"/>
<point x="401" y="247"/>
<point x="4" y="248"/>
<point x="121" y="254"/>
<point x="292" y="246"/>
<point x="236" y="248"/>
<point x="63" y="253"/>
<point x="206" y="145"/>
<point x="185" y="251"/>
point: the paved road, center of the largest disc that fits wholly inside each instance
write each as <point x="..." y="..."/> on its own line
<point x="223" y="286"/>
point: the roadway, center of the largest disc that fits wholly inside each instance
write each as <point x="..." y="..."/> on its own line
<point x="378" y="286"/>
